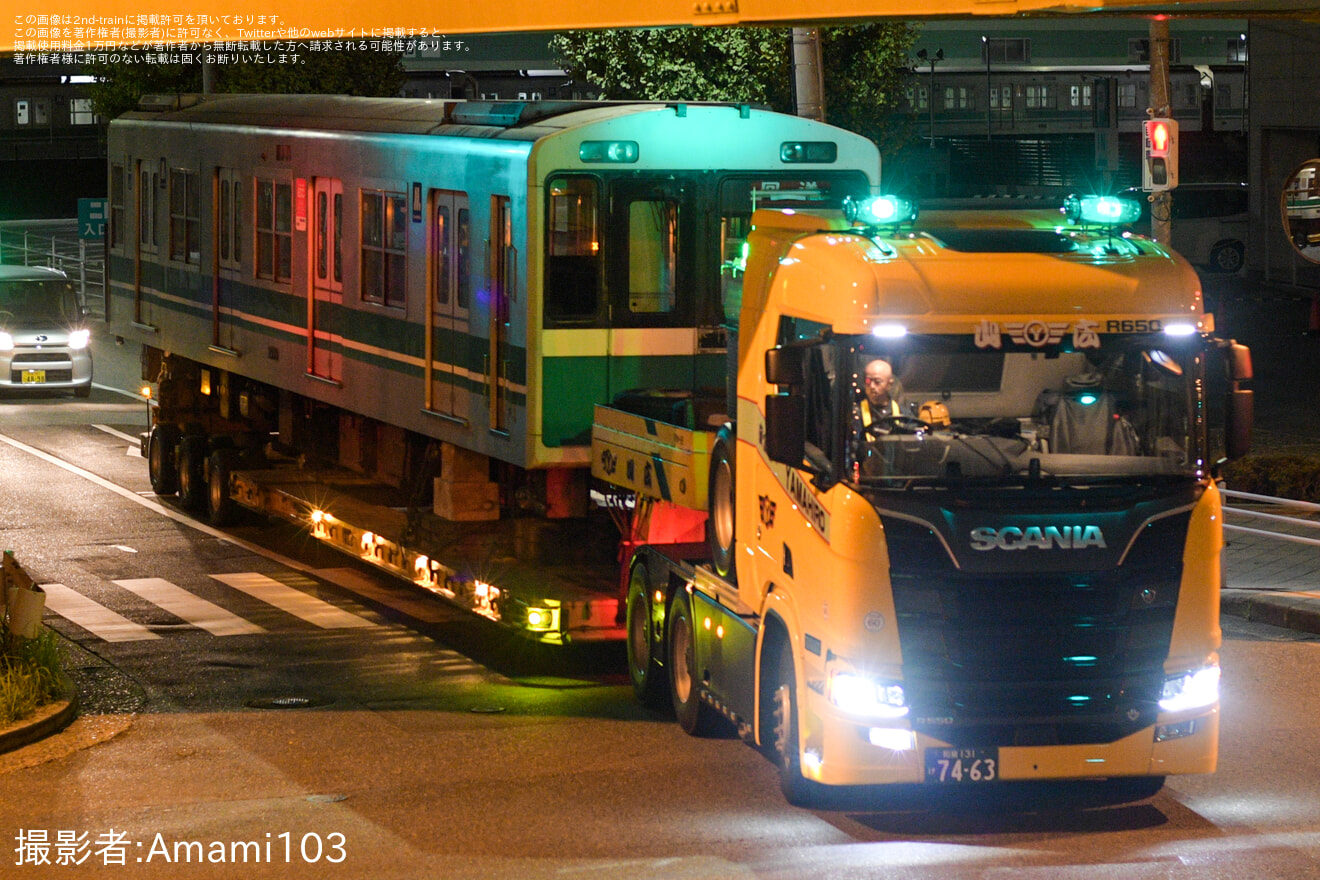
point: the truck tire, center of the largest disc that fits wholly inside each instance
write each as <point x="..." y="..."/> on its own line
<point x="645" y="664"/>
<point x="798" y="790"/>
<point x="720" y="505"/>
<point x="693" y="715"/>
<point x="161" y="467"/>
<point x="192" y="472"/>
<point x="221" y="509"/>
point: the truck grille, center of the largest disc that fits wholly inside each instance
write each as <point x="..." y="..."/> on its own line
<point x="1034" y="658"/>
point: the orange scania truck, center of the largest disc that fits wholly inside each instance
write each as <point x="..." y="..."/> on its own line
<point x="1012" y="575"/>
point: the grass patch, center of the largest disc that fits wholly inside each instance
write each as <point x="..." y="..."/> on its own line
<point x="30" y="674"/>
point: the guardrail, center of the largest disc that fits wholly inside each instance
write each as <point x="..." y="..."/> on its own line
<point x="1295" y="520"/>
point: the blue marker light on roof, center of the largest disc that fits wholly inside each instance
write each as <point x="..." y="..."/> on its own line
<point x="880" y="210"/>
<point x="1101" y="210"/>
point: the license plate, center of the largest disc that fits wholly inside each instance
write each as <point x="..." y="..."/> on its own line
<point x="34" y="377"/>
<point x="958" y="766"/>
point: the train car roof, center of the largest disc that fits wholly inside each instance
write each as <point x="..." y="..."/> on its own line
<point x="516" y="120"/>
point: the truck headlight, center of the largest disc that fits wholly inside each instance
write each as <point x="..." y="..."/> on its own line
<point x="1191" y="690"/>
<point x="859" y="695"/>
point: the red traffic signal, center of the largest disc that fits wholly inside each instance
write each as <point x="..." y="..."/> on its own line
<point x="1159" y="136"/>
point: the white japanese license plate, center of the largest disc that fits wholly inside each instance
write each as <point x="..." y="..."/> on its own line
<point x="962" y="765"/>
<point x="34" y="377"/>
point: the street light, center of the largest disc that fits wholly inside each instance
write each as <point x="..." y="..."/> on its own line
<point x="931" y="60"/>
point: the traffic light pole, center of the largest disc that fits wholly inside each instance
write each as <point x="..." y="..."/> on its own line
<point x="1161" y="203"/>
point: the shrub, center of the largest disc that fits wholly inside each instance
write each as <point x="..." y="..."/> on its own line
<point x="29" y="675"/>
<point x="1282" y="476"/>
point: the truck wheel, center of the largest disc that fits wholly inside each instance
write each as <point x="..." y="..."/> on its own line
<point x="798" y="790"/>
<point x="221" y="509"/>
<point x="645" y="666"/>
<point x="192" y="472"/>
<point x="693" y="715"/>
<point x="720" y="506"/>
<point x="161" y="468"/>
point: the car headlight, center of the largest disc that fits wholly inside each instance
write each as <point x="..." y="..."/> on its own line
<point x="78" y="339"/>
<point x="1196" y="689"/>
<point x="6" y="341"/>
<point x="858" y="695"/>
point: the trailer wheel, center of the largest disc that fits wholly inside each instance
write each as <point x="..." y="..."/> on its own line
<point x="720" y="505"/>
<point x="694" y="716"/>
<point x="645" y="666"/>
<point x="161" y="468"/>
<point x="192" y="472"/>
<point x="221" y="509"/>
<point x="798" y="790"/>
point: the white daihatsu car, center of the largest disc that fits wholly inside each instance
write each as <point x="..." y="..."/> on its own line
<point x="44" y="337"/>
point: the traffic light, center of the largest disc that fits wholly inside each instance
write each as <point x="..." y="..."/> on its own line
<point x="1159" y="169"/>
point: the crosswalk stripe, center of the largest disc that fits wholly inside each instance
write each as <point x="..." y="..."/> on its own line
<point x="194" y="609"/>
<point x="292" y="601"/>
<point x="93" y="617"/>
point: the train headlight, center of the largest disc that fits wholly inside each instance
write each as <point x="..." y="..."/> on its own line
<point x="858" y="695"/>
<point x="542" y="619"/>
<point x="1196" y="689"/>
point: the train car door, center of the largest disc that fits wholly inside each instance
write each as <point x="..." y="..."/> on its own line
<point x="227" y="253"/>
<point x="652" y="285"/>
<point x="502" y="279"/>
<point x="448" y="334"/>
<point x="325" y="341"/>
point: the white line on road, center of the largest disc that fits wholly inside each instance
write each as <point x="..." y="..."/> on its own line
<point x="93" y="617"/>
<point x="292" y="601"/>
<point x="194" y="609"/>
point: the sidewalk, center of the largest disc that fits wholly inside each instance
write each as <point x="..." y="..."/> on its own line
<point x="1272" y="581"/>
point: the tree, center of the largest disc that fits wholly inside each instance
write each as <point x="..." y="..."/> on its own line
<point x="119" y="84"/>
<point x="863" y="68"/>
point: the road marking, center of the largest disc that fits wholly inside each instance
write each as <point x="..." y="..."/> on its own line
<point x="295" y="602"/>
<point x="134" y="443"/>
<point x="93" y="617"/>
<point x="194" y="609"/>
<point x="417" y="607"/>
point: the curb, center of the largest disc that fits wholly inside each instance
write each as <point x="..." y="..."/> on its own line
<point x="46" y="721"/>
<point x="1300" y="613"/>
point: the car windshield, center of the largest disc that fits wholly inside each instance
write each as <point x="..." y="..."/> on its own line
<point x="38" y="301"/>
<point x="949" y="412"/>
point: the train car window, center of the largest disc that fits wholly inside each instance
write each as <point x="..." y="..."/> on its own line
<point x="572" y="264"/>
<point x="327" y="212"/>
<point x="185" y="216"/>
<point x="274" y="240"/>
<point x="339" y="238"/>
<point x="652" y="255"/>
<point x="384" y="247"/>
<point x="147" y="210"/>
<point x="116" y="205"/>
<point x="464" y="267"/>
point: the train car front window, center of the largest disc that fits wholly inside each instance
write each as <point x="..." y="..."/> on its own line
<point x="572" y="263"/>
<point x="652" y="255"/>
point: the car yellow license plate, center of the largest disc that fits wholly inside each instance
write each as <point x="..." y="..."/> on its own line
<point x="34" y="377"/>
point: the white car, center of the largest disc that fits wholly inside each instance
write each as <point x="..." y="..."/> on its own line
<point x="1208" y="223"/>
<point x="45" y="341"/>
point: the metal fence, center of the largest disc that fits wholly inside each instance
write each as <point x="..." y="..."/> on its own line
<point x="1284" y="526"/>
<point x="56" y="243"/>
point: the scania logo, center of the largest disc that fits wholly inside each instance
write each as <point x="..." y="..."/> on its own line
<point x="1038" y="538"/>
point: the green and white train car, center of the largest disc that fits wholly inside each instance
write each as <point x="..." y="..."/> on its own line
<point x="479" y="274"/>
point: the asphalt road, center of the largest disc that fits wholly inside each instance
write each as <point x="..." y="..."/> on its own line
<point x="422" y="744"/>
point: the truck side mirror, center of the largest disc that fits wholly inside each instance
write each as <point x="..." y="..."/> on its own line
<point x="785" y="428"/>
<point x="1239" y="408"/>
<point x="784" y="365"/>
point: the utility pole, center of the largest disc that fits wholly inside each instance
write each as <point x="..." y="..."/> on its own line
<point x="1161" y="203"/>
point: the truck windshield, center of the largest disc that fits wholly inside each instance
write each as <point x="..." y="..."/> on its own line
<point x="939" y="409"/>
<point x="38" y="302"/>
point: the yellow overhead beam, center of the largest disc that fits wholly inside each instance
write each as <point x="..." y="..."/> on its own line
<point x="92" y="25"/>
